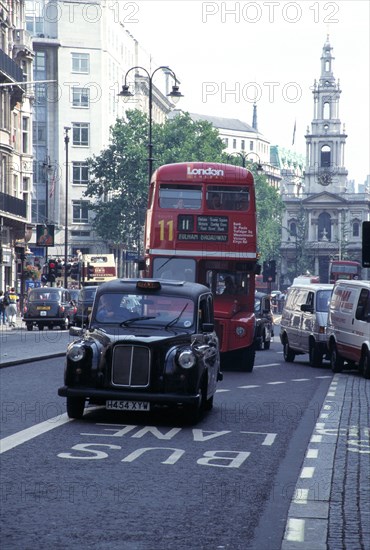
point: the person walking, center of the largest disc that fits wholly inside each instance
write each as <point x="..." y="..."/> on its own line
<point x="11" y="311"/>
<point x="2" y="308"/>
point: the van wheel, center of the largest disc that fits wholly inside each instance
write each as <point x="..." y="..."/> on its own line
<point x="336" y="361"/>
<point x="365" y="364"/>
<point x="315" y="356"/>
<point x="288" y="353"/>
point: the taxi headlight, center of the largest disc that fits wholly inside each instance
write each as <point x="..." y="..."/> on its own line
<point x="186" y="359"/>
<point x="76" y="353"/>
<point x="240" y="331"/>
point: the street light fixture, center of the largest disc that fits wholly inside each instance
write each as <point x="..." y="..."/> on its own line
<point x="244" y="157"/>
<point x="66" y="141"/>
<point x="175" y="95"/>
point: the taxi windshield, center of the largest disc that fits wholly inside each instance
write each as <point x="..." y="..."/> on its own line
<point x="144" y="309"/>
<point x="44" y="294"/>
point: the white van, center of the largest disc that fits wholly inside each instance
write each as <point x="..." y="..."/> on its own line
<point x="303" y="322"/>
<point x="348" y="331"/>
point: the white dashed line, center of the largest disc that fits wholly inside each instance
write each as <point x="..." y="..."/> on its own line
<point x="275" y="383"/>
<point x="312" y="453"/>
<point x="300" y="379"/>
<point x="295" y="530"/>
<point x="307" y="472"/>
<point x="248" y="387"/>
<point x="300" y="496"/>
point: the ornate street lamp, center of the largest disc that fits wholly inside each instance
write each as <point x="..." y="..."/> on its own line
<point x="244" y="157"/>
<point x="175" y="95"/>
<point x="66" y="141"/>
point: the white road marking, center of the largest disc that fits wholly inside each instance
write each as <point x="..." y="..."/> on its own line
<point x="300" y="379"/>
<point x="29" y="433"/>
<point x="307" y="472"/>
<point x="248" y="387"/>
<point x="300" y="496"/>
<point x="295" y="530"/>
<point x="220" y="391"/>
<point x="268" y="365"/>
<point x="275" y="383"/>
<point x="312" y="453"/>
<point x="316" y="439"/>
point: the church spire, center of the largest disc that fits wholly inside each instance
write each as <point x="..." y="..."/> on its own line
<point x="254" y="121"/>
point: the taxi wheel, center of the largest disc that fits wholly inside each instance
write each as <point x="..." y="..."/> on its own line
<point x="266" y="343"/>
<point x="40" y="326"/>
<point x="75" y="407"/>
<point x="66" y="324"/>
<point x="29" y="326"/>
<point x="247" y="357"/>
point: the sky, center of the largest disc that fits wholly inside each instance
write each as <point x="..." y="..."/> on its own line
<point x="227" y="55"/>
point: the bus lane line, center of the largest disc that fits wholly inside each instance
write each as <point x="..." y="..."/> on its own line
<point x="18" y="438"/>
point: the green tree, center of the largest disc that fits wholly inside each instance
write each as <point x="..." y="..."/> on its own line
<point x="119" y="174"/>
<point x="269" y="207"/>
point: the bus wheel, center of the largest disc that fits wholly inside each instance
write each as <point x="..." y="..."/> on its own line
<point x="247" y="356"/>
<point x="288" y="353"/>
<point x="336" y="361"/>
<point x="75" y="407"/>
<point x="365" y="364"/>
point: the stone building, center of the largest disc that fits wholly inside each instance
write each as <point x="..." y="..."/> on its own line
<point x="323" y="218"/>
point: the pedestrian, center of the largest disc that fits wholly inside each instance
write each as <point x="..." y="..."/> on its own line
<point x="11" y="310"/>
<point x="2" y="308"/>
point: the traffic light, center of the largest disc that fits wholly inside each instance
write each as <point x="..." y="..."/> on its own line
<point x="365" y="244"/>
<point x="75" y="271"/>
<point x="59" y="269"/>
<point x="269" y="271"/>
<point x="45" y="273"/>
<point x="90" y="272"/>
<point x="52" y="271"/>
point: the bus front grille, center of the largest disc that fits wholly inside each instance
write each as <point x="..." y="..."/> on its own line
<point x="131" y="366"/>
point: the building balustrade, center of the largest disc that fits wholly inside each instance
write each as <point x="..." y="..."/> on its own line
<point x="13" y="206"/>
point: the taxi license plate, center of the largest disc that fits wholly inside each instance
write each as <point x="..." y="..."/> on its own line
<point x="43" y="313"/>
<point x="128" y="405"/>
<point x="43" y="308"/>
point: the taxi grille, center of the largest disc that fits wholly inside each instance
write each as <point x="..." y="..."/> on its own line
<point x="131" y="366"/>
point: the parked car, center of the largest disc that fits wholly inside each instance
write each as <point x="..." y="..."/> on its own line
<point x="303" y="322"/>
<point x="264" y="320"/>
<point x="161" y="350"/>
<point x="348" y="332"/>
<point x="49" y="307"/>
<point x="84" y="305"/>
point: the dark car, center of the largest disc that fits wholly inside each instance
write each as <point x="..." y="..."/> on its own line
<point x="264" y="320"/>
<point x="149" y="343"/>
<point x="49" y="307"/>
<point x="84" y="305"/>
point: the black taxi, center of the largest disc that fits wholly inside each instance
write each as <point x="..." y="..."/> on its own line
<point x="264" y="320"/>
<point x="49" y="307"/>
<point x="149" y="343"/>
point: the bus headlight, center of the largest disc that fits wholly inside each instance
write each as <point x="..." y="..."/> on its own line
<point x="186" y="359"/>
<point x="240" y="331"/>
<point x="76" y="353"/>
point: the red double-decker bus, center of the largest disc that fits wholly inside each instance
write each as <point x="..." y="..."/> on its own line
<point x="201" y="227"/>
<point x="344" y="269"/>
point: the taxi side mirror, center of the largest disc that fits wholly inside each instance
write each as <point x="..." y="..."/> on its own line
<point x="208" y="327"/>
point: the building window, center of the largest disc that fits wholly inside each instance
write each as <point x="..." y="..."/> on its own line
<point x="81" y="97"/>
<point x="242" y="145"/>
<point x="234" y="143"/>
<point x="226" y="142"/>
<point x="324" y="227"/>
<point x="326" y="110"/>
<point x="355" y="229"/>
<point x="80" y="134"/>
<point x="80" y="63"/>
<point x="325" y="156"/>
<point x="80" y="212"/>
<point x="25" y="134"/>
<point x="80" y="173"/>
<point x="251" y="145"/>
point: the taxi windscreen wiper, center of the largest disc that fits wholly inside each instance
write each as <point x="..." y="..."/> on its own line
<point x="142" y="318"/>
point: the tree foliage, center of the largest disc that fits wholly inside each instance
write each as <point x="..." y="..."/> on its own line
<point x="118" y="181"/>
<point x="119" y="174"/>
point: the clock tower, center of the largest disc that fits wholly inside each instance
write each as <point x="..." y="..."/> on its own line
<point x="325" y="143"/>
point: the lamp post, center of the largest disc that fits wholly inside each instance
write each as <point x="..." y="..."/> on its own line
<point x="244" y="157"/>
<point x="66" y="141"/>
<point x="175" y="95"/>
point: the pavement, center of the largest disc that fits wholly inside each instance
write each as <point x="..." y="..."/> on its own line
<point x="330" y="503"/>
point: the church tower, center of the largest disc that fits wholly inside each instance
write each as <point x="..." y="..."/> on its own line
<point x="325" y="170"/>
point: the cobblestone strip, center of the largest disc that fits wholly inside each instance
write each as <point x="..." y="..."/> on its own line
<point x="330" y="507"/>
